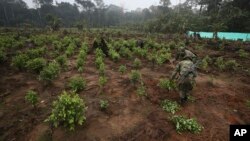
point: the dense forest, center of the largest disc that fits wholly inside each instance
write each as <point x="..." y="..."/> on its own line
<point x="195" y="15"/>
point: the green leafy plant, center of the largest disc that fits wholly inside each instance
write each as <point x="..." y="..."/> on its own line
<point x="135" y="76"/>
<point x="70" y="49"/>
<point x="184" y="124"/>
<point x="205" y="62"/>
<point x="102" y="81"/>
<point x="114" y="55"/>
<point x="36" y="64"/>
<point x="167" y="84"/>
<point x="62" y="60"/>
<point x="98" y="61"/>
<point x="101" y="69"/>
<point x="104" y="104"/>
<point x="69" y="110"/>
<point x="31" y="97"/>
<point x="220" y="63"/>
<point x="231" y="65"/>
<point x="170" y="106"/>
<point x="77" y="84"/>
<point x="122" y="69"/>
<point x="243" y="54"/>
<point x="2" y="55"/>
<point x="137" y="63"/>
<point x="50" y="72"/>
<point x="36" y="53"/>
<point x="141" y="90"/>
<point x="19" y="61"/>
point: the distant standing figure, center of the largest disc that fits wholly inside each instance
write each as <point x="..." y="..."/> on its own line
<point x="184" y="74"/>
<point x="101" y="43"/>
<point x="140" y="43"/>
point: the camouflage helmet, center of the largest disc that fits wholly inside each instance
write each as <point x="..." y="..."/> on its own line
<point x="186" y="57"/>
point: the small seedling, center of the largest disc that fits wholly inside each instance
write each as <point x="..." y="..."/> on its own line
<point x="167" y="84"/>
<point x="141" y="90"/>
<point x="77" y="84"/>
<point x="122" y="69"/>
<point x="170" y="106"/>
<point x="31" y="97"/>
<point x="104" y="104"/>
<point x="137" y="63"/>
<point x="135" y="76"/>
<point x="102" y="81"/>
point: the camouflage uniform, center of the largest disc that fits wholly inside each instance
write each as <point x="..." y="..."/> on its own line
<point x="184" y="53"/>
<point x="101" y="43"/>
<point x="186" y="78"/>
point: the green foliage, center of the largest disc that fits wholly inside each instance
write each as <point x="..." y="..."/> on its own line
<point x="141" y="90"/>
<point x="220" y="63"/>
<point x="36" y="53"/>
<point x="98" y="61"/>
<point x="77" y="84"/>
<point x="205" y="62"/>
<point x="243" y="54"/>
<point x="70" y="49"/>
<point x="69" y="110"/>
<point x="135" y="76"/>
<point x="99" y="53"/>
<point x="101" y="69"/>
<point x="31" y="97"/>
<point x="170" y="106"/>
<point x="167" y="84"/>
<point x="114" y="55"/>
<point x="19" y="61"/>
<point x="2" y="55"/>
<point x="231" y="65"/>
<point x="122" y="69"/>
<point x="248" y="103"/>
<point x="102" y="81"/>
<point x="137" y="63"/>
<point x="36" y="64"/>
<point x="50" y="72"/>
<point x="184" y="124"/>
<point x="62" y="60"/>
<point x="104" y="104"/>
<point x="58" y="45"/>
<point x="172" y="45"/>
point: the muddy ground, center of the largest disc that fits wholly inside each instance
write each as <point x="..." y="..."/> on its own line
<point x="219" y="102"/>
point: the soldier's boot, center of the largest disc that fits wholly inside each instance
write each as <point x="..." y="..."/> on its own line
<point x="183" y="97"/>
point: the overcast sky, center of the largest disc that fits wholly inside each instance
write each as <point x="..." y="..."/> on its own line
<point x="127" y="4"/>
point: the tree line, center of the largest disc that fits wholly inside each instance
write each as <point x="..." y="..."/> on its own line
<point x="195" y="15"/>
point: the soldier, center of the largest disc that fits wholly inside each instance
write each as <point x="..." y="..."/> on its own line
<point x="101" y="43"/>
<point x="185" y="74"/>
<point x="184" y="53"/>
<point x="140" y="43"/>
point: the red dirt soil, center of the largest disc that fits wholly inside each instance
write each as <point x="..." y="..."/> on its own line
<point x="218" y="103"/>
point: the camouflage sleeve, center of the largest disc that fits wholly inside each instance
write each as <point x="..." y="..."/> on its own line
<point x="177" y="69"/>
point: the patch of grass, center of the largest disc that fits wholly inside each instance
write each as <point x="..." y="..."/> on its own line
<point x="185" y="124"/>
<point x="248" y="103"/>
<point x="231" y="65"/>
<point x="170" y="106"/>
